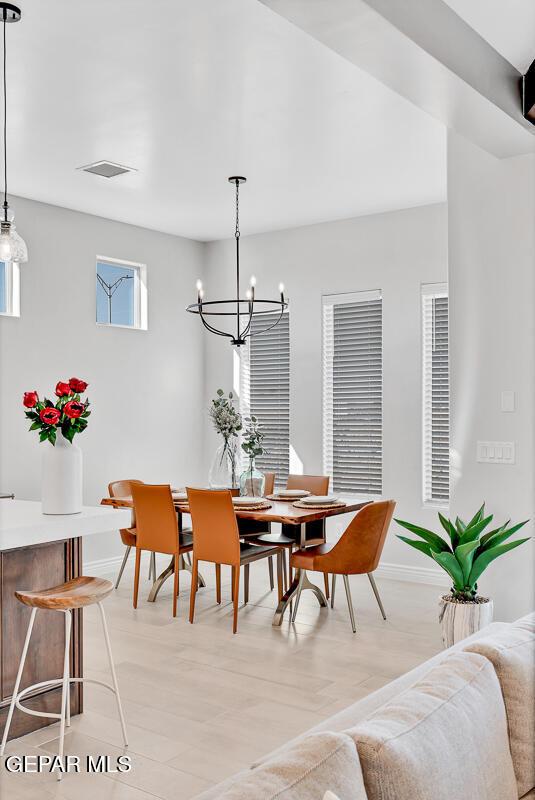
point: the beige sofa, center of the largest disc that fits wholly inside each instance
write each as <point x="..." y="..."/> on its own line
<point x="461" y="725"/>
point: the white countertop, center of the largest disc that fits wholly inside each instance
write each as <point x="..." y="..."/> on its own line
<point x="22" y="524"/>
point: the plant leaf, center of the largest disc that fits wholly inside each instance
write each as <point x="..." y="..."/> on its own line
<point x="433" y="539"/>
<point x="482" y="561"/>
<point x="449" y="563"/>
<point x="460" y="525"/>
<point x="450" y="529"/>
<point x="464" y="554"/>
<point x="500" y="536"/>
<point x="478" y="516"/>
<point x="472" y="532"/>
<point x="424" y="547"/>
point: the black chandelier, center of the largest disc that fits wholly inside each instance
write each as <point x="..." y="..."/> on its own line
<point x="242" y="309"/>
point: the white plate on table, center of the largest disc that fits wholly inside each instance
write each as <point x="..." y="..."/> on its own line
<point x="247" y="501"/>
<point x="179" y="495"/>
<point x="292" y="494"/>
<point x="320" y="500"/>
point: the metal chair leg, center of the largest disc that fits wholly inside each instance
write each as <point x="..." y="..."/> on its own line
<point x="17" y="682"/>
<point x="65" y="687"/>
<point x="376" y="593"/>
<point x="333" y="590"/>
<point x="302" y="576"/>
<point x="246" y="584"/>
<point x="350" y="603"/>
<point x="123" y="565"/>
<point x="270" y="565"/>
<point x="113" y="673"/>
<point x="152" y="567"/>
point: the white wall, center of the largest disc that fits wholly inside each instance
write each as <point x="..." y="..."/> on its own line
<point x="145" y="386"/>
<point x="492" y="281"/>
<point x="395" y="252"/>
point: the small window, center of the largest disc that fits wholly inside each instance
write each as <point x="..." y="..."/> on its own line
<point x="121" y="288"/>
<point x="9" y="289"/>
<point x="436" y="395"/>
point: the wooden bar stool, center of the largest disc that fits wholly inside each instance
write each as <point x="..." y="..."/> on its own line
<point x="66" y="597"/>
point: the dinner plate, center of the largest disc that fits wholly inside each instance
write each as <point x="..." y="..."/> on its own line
<point x="292" y="493"/>
<point x="247" y="501"/>
<point x="180" y="495"/>
<point x="320" y="500"/>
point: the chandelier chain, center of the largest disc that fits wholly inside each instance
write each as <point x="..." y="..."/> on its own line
<point x="5" y="125"/>
<point x="237" y="231"/>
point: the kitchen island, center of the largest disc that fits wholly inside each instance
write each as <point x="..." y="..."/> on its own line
<point x="38" y="551"/>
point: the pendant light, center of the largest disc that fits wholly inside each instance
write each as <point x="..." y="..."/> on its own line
<point x="12" y="246"/>
<point x="238" y="311"/>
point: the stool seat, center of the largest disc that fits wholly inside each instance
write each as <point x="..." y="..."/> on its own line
<point x="82" y="591"/>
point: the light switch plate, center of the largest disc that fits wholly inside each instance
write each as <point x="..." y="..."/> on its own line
<point x="508" y="401"/>
<point x="496" y="452"/>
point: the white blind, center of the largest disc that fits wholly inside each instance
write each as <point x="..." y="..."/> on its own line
<point x="352" y="392"/>
<point x="436" y="395"/>
<point x="265" y="390"/>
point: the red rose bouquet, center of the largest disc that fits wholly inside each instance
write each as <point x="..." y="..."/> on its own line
<point x="69" y="413"/>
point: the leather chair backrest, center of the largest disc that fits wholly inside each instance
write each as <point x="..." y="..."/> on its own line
<point x="215" y="529"/>
<point x="359" y="548"/>
<point x="124" y="489"/>
<point x="156" y="520"/>
<point x="315" y="484"/>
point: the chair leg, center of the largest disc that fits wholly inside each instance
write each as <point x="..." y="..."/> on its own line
<point x="175" y="585"/>
<point x="333" y="590"/>
<point x="280" y="580"/>
<point x="218" y="583"/>
<point x="113" y="673"/>
<point x="123" y="565"/>
<point x="302" y="575"/>
<point x="65" y="687"/>
<point x="270" y="566"/>
<point x="152" y="567"/>
<point x="68" y="705"/>
<point x="285" y="570"/>
<point x="246" y="584"/>
<point x="136" y="575"/>
<point x="326" y="583"/>
<point x="193" y="593"/>
<point x="377" y="595"/>
<point x="350" y="603"/>
<point x="17" y="681"/>
<point x="236" y="587"/>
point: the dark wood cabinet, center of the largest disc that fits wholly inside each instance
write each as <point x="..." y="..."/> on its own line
<point x="37" y="567"/>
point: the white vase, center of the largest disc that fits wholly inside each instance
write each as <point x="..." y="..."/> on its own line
<point x="61" y="488"/>
<point x="459" y="620"/>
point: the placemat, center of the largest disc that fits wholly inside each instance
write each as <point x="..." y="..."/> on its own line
<point x="262" y="505"/>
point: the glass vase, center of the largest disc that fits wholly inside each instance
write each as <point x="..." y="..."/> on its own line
<point x="252" y="481"/>
<point x="222" y="473"/>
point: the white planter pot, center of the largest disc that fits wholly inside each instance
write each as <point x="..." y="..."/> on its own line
<point x="459" y="620"/>
<point x="61" y="489"/>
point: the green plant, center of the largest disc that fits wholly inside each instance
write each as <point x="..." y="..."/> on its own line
<point x="469" y="550"/>
<point x="252" y="438"/>
<point x="227" y="421"/>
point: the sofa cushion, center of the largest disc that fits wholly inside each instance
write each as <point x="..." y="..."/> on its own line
<point x="512" y="652"/>
<point x="313" y="765"/>
<point x="444" y="738"/>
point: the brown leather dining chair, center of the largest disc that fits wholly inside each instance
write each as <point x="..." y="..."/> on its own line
<point x="251" y="527"/>
<point x="216" y="538"/>
<point x="356" y="552"/>
<point x="128" y="535"/>
<point x="157" y="529"/>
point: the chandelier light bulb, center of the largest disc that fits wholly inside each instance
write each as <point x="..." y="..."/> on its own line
<point x="201" y="293"/>
<point x="199" y="285"/>
<point x="253" y="280"/>
<point x="281" y="288"/>
<point x="249" y="294"/>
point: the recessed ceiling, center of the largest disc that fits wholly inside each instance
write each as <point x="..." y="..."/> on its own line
<point x="188" y="93"/>
<point x="507" y="25"/>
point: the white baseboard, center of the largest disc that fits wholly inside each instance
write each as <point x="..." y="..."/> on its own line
<point x="104" y="567"/>
<point x="402" y="572"/>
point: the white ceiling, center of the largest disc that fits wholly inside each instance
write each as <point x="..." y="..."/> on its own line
<point x="507" y="25"/>
<point x="193" y="92"/>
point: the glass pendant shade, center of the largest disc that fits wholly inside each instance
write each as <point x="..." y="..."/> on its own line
<point x="12" y="246"/>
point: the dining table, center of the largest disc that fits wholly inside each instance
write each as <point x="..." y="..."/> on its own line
<point x="283" y="511"/>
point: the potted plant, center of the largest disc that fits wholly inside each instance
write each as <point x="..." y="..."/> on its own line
<point x="464" y="555"/>
<point x="227" y="422"/>
<point x="58" y="423"/>
<point x="252" y="481"/>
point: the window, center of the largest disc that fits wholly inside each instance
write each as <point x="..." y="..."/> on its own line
<point x="352" y="392"/>
<point x="9" y="289"/>
<point x="436" y="402"/>
<point x="121" y="288"/>
<point x="265" y="390"/>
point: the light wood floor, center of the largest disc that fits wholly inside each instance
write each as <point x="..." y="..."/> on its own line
<point x="201" y="704"/>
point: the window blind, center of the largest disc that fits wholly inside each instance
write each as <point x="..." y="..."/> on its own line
<point x="436" y="446"/>
<point x="352" y="392"/>
<point x="265" y="391"/>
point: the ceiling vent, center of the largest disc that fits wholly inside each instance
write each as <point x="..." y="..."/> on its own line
<point x="106" y="169"/>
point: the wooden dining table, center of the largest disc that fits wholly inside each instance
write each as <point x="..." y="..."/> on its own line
<point x="281" y="511"/>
